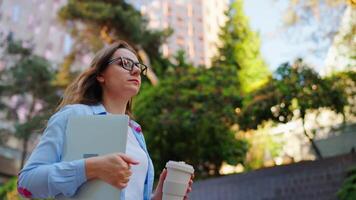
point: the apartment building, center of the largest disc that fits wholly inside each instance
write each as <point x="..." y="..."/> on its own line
<point x="35" y="22"/>
<point x="196" y="25"/>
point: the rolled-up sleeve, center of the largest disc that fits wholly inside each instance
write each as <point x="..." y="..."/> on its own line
<point x="44" y="175"/>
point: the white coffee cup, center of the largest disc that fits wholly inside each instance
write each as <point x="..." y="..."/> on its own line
<point x="177" y="180"/>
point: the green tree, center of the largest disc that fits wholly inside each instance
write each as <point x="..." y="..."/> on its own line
<point x="241" y="49"/>
<point x="28" y="92"/>
<point x="348" y="188"/>
<point x="8" y="190"/>
<point x="107" y="21"/>
<point x="188" y="116"/>
<point x="346" y="82"/>
<point x="64" y="75"/>
<point x="294" y="90"/>
<point x="263" y="146"/>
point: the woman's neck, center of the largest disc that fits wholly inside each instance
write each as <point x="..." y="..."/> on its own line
<point x="114" y="105"/>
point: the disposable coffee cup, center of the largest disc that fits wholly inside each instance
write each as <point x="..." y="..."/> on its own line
<point x="177" y="180"/>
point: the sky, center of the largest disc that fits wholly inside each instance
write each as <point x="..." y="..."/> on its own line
<point x="266" y="18"/>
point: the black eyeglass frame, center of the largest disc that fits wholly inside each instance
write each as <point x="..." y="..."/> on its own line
<point x="142" y="67"/>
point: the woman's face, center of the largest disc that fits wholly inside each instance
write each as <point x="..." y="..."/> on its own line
<point x="119" y="82"/>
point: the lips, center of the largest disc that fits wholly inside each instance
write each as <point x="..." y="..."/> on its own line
<point x="135" y="81"/>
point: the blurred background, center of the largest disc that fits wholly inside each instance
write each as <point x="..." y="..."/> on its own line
<point x="258" y="95"/>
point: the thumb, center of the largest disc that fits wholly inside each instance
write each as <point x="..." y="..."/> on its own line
<point x="128" y="159"/>
<point x="162" y="177"/>
<point x="159" y="188"/>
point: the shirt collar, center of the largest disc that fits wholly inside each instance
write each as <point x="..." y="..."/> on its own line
<point x="99" y="109"/>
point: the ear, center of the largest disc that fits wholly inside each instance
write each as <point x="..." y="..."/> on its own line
<point x="100" y="78"/>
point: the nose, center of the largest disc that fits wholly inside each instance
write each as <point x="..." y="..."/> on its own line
<point x="136" y="70"/>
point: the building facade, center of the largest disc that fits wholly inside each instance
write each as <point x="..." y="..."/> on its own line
<point x="35" y="22"/>
<point x="196" y="25"/>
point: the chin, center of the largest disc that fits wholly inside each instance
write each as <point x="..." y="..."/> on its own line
<point x="134" y="92"/>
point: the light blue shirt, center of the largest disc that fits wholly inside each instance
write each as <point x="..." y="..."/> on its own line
<point x="44" y="175"/>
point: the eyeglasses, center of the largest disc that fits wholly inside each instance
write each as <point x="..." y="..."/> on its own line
<point x="129" y="64"/>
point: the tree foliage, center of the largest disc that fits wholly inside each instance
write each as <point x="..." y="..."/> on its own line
<point x="95" y="23"/>
<point x="263" y="146"/>
<point x="241" y="49"/>
<point x="115" y="18"/>
<point x="9" y="190"/>
<point x="348" y="188"/>
<point x="188" y="116"/>
<point x="64" y="74"/>
<point x="292" y="92"/>
<point x="292" y="88"/>
<point x="345" y="81"/>
<point x="28" y="93"/>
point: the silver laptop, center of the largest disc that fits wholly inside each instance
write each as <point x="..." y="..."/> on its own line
<point x="95" y="135"/>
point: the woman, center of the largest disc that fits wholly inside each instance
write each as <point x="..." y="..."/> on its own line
<point x="107" y="87"/>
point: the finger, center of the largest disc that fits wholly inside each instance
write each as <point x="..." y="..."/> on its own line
<point x="128" y="159"/>
<point x="163" y="174"/>
<point x="162" y="177"/>
<point x="189" y="189"/>
<point x="129" y="173"/>
<point x="125" y="179"/>
<point x="124" y="176"/>
<point x="122" y="185"/>
<point x="122" y="180"/>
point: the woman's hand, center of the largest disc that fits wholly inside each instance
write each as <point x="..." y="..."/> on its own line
<point x="157" y="195"/>
<point x="113" y="169"/>
<point x="189" y="189"/>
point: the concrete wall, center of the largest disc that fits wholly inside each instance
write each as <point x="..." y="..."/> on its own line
<point x="304" y="180"/>
<point x="341" y="143"/>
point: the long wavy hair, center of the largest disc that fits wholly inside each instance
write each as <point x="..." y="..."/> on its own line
<point x="86" y="89"/>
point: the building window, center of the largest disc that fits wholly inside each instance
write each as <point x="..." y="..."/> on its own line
<point x="169" y="10"/>
<point x="31" y="22"/>
<point x="180" y="40"/>
<point x="200" y="38"/>
<point x="15" y="13"/>
<point x="179" y="19"/>
<point x="49" y="47"/>
<point x="48" y="54"/>
<point x="191" y="51"/>
<point x="42" y="6"/>
<point x="37" y="30"/>
<point x="190" y="10"/>
<point x="52" y="30"/>
<point x="67" y="44"/>
<point x="209" y="28"/>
